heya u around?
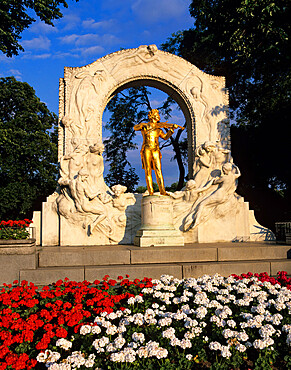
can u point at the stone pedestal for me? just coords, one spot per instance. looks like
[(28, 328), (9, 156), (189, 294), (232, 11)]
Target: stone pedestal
[(157, 228)]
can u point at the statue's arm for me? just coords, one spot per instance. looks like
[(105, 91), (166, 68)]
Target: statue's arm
[(89, 193), (206, 187), (139, 126), (238, 173), (167, 135), (204, 162)]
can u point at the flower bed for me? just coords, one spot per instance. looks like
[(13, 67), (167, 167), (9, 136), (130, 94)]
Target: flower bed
[(239, 322), (16, 229)]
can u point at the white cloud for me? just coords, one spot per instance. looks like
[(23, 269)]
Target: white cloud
[(60, 54), (152, 11), (89, 39), (36, 56), (5, 59), (80, 40), (42, 28), (69, 21), (69, 39), (37, 43), (92, 50), (90, 23), (16, 73)]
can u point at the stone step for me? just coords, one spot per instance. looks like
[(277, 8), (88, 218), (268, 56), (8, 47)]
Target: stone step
[(236, 267), (83, 256), (44, 276), (128, 254)]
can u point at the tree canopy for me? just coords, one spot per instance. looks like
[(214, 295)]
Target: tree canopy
[(28, 150), (249, 42), (15, 18)]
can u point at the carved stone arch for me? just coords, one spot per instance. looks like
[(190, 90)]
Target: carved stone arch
[(85, 91)]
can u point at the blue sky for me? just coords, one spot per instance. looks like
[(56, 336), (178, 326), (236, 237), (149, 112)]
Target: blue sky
[(89, 30)]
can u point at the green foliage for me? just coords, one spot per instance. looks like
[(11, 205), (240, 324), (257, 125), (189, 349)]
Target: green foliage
[(14, 233), (142, 189), (248, 41), (28, 150), (14, 19)]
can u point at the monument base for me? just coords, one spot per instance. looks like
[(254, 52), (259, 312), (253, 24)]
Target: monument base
[(157, 228)]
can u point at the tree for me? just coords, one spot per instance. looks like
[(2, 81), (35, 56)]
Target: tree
[(28, 149), (129, 108), (248, 41), (14, 19)]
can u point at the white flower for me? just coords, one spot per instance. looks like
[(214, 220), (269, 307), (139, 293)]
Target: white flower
[(131, 301), (90, 361), (166, 321), (225, 352), (142, 352), (41, 357), (201, 298), (276, 319), (175, 341), (117, 357), (189, 357), (162, 353), (242, 336), (214, 346), (259, 344), (231, 323), (95, 329), (240, 347), (119, 341), (201, 312), (112, 316), (111, 330), (138, 337), (185, 343), (64, 343), (169, 333), (110, 347), (53, 356), (102, 342), (227, 333)]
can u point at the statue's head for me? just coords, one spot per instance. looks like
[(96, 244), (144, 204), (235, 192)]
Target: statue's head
[(227, 167), (154, 115), (83, 174), (97, 148), (190, 184), (118, 189), (209, 146)]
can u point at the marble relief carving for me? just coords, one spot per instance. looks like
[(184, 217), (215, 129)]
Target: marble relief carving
[(211, 192), (84, 198)]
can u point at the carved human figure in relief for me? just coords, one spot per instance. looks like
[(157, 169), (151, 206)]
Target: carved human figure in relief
[(209, 161), (122, 200), (88, 201), (150, 151), (227, 184), (71, 163), (190, 192), (95, 167), (204, 163)]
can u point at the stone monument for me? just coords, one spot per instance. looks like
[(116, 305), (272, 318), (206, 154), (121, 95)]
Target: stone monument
[(85, 211)]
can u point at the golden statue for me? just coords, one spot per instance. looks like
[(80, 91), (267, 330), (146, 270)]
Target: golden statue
[(150, 151)]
